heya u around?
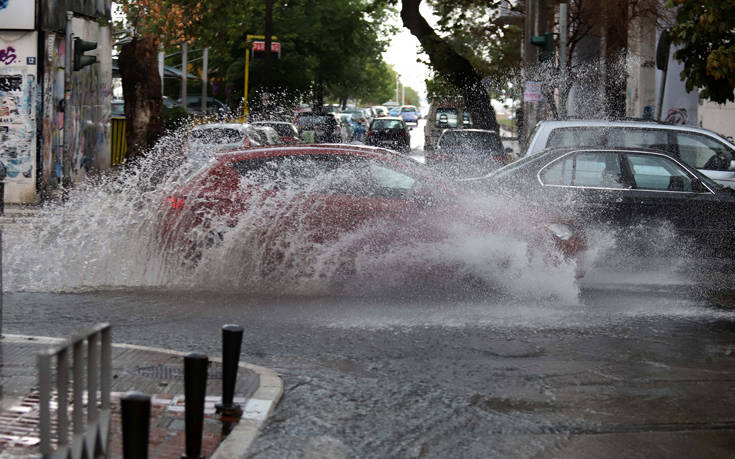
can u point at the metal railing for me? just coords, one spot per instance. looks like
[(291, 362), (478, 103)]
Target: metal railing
[(90, 438)]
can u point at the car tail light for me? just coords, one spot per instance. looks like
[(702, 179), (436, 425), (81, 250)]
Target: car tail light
[(371, 133), (176, 202)]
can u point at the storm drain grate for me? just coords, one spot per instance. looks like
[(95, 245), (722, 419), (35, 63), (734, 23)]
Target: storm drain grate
[(173, 372)]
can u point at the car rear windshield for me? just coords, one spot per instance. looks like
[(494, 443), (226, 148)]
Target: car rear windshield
[(216, 136), (447, 118), (284, 130), (470, 140), (386, 124)]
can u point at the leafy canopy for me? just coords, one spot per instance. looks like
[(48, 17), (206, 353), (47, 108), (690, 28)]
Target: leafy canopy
[(706, 31)]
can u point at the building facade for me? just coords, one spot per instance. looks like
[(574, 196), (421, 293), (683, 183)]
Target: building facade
[(32, 92)]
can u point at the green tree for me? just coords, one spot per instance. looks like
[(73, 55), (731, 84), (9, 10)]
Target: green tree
[(448, 62), (706, 31)]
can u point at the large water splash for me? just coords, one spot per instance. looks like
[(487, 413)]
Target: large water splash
[(107, 235)]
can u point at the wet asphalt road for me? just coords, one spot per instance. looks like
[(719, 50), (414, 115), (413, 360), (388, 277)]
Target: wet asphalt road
[(622, 372)]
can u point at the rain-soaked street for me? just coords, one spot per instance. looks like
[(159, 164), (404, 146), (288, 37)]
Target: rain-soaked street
[(633, 360)]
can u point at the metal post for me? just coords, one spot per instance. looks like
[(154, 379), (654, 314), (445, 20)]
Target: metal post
[(136, 418), (563, 34), (398, 77), (403, 94), (247, 77), (66, 151), (184, 74), (44, 388), (195, 387), (231, 344), (105, 367), (205, 64), (78, 391), (92, 378), (62, 391)]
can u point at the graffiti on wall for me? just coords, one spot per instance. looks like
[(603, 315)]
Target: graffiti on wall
[(8, 56), (53, 117), (17, 124)]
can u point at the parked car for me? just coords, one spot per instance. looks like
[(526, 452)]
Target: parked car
[(468, 152), (287, 131), (320, 128), (389, 133), (448, 113), (624, 188), (380, 111), (204, 140), (268, 135), (410, 114), (394, 112), (306, 197), (702, 149)]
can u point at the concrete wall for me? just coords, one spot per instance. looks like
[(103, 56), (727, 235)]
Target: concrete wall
[(718, 118)]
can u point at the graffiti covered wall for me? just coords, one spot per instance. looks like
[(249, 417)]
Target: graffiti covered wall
[(89, 111), (18, 101)]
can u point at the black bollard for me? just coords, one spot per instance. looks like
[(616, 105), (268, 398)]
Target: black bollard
[(136, 419), (195, 388), (231, 343)]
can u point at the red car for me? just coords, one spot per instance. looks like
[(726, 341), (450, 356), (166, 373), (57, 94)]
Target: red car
[(316, 205)]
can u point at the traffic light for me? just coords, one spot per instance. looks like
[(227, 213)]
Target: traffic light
[(80, 47), (546, 43)]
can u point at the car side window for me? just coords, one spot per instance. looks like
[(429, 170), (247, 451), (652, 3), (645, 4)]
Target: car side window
[(658, 173), (576, 136), (702, 152), (631, 137), (390, 183), (587, 169)]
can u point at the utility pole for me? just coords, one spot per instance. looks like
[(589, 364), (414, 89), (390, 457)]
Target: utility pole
[(184, 74), (205, 70), (398, 79), (161, 58), (403, 94), (268, 68), (563, 34), (66, 152)]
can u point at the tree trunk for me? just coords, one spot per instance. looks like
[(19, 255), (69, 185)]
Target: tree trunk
[(318, 102), (452, 66), (138, 63)]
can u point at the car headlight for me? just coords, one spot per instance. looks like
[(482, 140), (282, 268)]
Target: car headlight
[(561, 231)]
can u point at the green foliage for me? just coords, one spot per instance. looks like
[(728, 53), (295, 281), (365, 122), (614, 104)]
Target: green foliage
[(335, 42), (474, 30), (411, 96), (706, 30)]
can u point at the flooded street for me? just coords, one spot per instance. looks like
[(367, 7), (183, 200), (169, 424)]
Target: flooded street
[(504, 355), (454, 375)]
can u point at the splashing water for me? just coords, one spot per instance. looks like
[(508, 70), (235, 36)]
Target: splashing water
[(106, 235)]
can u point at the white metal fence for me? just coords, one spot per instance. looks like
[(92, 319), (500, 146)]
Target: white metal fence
[(90, 437)]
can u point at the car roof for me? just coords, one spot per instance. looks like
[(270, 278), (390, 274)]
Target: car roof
[(324, 148), (468, 130), (270, 122), (238, 126), (388, 118)]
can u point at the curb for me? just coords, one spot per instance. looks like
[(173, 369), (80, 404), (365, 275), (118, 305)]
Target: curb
[(256, 410)]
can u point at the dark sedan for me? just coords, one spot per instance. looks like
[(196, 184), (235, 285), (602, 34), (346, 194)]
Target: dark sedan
[(468, 152), (389, 133), (628, 189)]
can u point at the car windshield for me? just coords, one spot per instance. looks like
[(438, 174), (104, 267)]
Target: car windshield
[(216, 136), (386, 124), (470, 140)]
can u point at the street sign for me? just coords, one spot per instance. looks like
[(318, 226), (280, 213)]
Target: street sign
[(532, 93), (260, 46)]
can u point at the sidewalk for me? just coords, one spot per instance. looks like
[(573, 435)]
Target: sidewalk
[(156, 372)]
